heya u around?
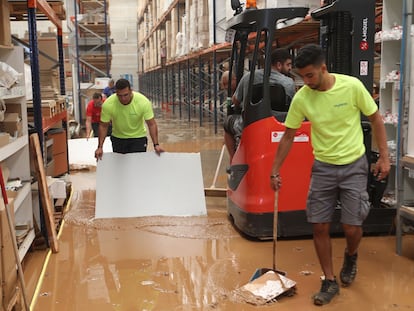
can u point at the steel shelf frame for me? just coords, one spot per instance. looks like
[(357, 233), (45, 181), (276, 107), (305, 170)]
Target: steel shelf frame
[(404, 162), (85, 70), (189, 84), (32, 6)]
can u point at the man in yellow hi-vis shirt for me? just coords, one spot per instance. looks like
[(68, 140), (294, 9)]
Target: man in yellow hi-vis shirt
[(128, 112)]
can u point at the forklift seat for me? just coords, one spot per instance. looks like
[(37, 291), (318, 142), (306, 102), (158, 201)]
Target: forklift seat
[(279, 102)]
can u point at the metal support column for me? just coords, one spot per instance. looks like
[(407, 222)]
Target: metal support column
[(106, 40), (174, 88), (200, 89), (34, 64), (180, 98), (188, 90), (61, 62), (167, 89), (215, 68), (78, 62), (403, 108)]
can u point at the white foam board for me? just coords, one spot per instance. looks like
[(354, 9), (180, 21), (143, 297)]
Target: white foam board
[(82, 150), (145, 184)]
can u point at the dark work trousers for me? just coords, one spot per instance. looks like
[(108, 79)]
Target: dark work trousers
[(95, 128), (129, 145)]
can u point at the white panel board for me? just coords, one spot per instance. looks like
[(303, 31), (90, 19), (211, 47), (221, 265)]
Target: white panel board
[(145, 184), (82, 150)]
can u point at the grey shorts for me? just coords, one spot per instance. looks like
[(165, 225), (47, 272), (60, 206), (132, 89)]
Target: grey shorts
[(346, 183), (234, 125)]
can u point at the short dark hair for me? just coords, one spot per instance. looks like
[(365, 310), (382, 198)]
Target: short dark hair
[(280, 55), (121, 84), (97, 95), (310, 54)]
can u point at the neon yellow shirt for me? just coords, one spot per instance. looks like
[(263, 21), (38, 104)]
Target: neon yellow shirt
[(335, 117), (128, 121)]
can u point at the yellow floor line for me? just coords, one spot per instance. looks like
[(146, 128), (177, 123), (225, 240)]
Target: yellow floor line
[(40, 281), (45, 264)]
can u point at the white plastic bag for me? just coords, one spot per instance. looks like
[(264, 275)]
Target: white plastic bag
[(2, 110), (8, 75)]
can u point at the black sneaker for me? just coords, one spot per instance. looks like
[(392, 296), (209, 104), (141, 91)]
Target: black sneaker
[(328, 291), (349, 269)]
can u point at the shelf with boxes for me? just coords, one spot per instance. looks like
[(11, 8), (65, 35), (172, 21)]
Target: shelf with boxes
[(54, 119), (14, 148), (405, 144), (56, 143), (93, 39), (389, 91)]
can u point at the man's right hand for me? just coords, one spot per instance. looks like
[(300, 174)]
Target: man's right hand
[(275, 182), (98, 153)]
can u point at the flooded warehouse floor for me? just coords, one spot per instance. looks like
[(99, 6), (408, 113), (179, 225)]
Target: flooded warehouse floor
[(196, 263)]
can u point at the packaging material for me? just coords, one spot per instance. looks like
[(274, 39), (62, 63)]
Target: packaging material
[(101, 83), (12, 124), (8, 75), (222, 16), (4, 139), (60, 155), (57, 187), (2, 109), (28, 81)]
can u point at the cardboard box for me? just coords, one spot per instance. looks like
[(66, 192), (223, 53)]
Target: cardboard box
[(12, 124), (4, 139), (57, 187)]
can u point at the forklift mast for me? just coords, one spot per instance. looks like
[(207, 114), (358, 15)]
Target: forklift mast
[(347, 35)]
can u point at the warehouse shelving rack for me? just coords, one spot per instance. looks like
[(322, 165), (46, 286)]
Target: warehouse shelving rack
[(90, 44), (44, 7), (186, 84), (190, 82), (404, 175), (16, 154)]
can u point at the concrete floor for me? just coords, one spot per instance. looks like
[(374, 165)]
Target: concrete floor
[(196, 263)]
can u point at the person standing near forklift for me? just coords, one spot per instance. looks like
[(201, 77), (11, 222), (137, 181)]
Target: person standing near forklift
[(333, 103), (128, 111)]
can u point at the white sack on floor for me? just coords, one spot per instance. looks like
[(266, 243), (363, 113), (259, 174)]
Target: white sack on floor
[(145, 184), (82, 151)]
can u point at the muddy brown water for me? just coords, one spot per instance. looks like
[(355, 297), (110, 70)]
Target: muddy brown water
[(197, 263)]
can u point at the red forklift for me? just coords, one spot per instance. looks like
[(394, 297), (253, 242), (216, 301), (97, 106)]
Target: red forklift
[(346, 32)]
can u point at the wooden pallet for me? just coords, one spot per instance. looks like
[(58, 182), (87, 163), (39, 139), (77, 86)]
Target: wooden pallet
[(18, 10)]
